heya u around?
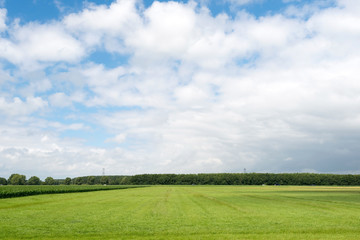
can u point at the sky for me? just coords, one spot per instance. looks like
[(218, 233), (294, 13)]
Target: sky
[(202, 86)]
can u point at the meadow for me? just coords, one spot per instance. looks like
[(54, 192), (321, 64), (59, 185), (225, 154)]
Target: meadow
[(186, 212)]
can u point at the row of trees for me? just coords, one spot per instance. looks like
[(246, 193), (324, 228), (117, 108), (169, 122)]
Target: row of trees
[(246, 179), (224, 179), (94, 180), (198, 179), (18, 179)]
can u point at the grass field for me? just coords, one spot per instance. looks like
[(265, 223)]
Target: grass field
[(186, 212)]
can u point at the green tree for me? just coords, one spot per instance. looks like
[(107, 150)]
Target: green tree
[(124, 180), (34, 180), (3, 181), (91, 180), (17, 179), (49, 181), (78, 181), (104, 180), (67, 181)]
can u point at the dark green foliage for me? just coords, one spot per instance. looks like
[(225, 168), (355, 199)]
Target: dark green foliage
[(3, 181), (224, 179), (104, 180), (49, 181), (34, 180), (91, 180), (205, 179), (245, 179), (67, 181), (17, 179), (96, 180), (79, 181)]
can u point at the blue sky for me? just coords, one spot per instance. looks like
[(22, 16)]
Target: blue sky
[(178, 86), (42, 10)]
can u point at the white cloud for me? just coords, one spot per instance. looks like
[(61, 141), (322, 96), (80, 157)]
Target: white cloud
[(336, 23), (18, 107), (243, 2), (191, 96), (199, 93), (59, 5), (168, 30), (120, 138), (37, 43), (38, 83), (62, 127), (99, 25), (2, 19), (60, 100), (5, 76)]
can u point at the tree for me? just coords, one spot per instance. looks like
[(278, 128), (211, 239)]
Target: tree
[(3, 181), (125, 181), (78, 181), (91, 180), (34, 180), (49, 181), (17, 179), (104, 180), (67, 181)]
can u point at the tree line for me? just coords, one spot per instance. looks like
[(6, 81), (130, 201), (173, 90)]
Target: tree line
[(19, 179), (196, 179), (245, 179)]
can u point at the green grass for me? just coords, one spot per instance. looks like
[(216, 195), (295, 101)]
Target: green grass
[(26, 190), (186, 212)]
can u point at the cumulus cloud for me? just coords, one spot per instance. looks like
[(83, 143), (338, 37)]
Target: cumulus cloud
[(35, 43), (105, 26), (168, 38), (199, 93), (18, 107)]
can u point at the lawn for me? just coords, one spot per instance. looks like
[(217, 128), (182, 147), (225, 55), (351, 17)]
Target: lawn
[(186, 212)]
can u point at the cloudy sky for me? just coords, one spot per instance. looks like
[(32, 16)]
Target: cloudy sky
[(201, 86)]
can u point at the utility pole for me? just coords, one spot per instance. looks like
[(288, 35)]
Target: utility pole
[(103, 172)]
